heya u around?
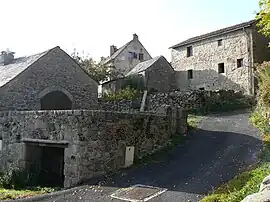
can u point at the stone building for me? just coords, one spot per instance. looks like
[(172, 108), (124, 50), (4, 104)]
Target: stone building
[(122, 60), (48, 80), (155, 75), (223, 59)]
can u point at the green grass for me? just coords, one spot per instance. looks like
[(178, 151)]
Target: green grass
[(192, 121), (11, 194), (242, 185)]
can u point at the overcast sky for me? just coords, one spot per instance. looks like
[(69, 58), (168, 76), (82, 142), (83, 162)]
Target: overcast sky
[(91, 26)]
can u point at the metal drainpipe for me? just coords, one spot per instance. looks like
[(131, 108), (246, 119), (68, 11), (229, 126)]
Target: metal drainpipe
[(250, 63)]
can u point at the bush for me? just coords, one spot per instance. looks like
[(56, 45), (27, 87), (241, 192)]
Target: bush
[(124, 94), (16, 178)]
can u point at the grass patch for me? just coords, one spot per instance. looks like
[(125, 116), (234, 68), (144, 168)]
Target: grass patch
[(192, 121), (242, 185), (12, 194)]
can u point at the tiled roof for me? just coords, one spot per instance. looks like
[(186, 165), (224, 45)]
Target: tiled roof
[(116, 53), (215, 33), (143, 66), (18, 65)]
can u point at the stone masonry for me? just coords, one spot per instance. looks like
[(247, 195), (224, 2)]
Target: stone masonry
[(96, 140), (221, 46), (54, 71)]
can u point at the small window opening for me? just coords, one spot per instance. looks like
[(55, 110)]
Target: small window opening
[(240, 62), (189, 51), (190, 74), (201, 88), (220, 42), (141, 56), (221, 68)]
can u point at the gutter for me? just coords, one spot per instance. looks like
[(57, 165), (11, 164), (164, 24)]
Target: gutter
[(250, 59)]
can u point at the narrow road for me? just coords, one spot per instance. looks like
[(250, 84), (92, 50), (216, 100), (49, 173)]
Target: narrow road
[(220, 147)]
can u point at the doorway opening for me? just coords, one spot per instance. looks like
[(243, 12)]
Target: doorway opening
[(45, 163), (56, 100)]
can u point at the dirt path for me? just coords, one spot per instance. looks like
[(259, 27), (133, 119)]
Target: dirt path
[(219, 148)]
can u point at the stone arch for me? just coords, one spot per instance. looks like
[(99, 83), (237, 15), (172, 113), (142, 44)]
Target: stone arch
[(55, 99)]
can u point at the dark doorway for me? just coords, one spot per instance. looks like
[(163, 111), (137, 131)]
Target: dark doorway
[(46, 164), (56, 100)]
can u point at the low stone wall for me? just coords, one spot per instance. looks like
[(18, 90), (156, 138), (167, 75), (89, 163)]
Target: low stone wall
[(96, 140), (182, 99), (197, 100)]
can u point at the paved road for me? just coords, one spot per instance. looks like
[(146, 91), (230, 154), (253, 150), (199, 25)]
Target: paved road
[(215, 153)]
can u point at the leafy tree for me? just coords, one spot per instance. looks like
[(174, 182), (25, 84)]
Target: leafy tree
[(264, 17), (97, 70)]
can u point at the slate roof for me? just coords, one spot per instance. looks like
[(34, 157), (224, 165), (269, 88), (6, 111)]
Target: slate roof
[(116, 53), (142, 66), (18, 65), (215, 33)]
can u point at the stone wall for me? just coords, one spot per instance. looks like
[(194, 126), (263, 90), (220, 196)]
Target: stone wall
[(55, 71), (206, 57), (96, 139)]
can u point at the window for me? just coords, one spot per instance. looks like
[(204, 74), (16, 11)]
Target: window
[(130, 55), (201, 88), (221, 68), (141, 56), (190, 74), (219, 42), (240, 62), (189, 51), (135, 55)]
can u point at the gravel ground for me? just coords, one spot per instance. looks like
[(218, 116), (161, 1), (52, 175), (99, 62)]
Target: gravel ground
[(222, 145)]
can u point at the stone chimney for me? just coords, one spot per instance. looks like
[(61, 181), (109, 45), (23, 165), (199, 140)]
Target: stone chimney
[(113, 49), (6, 57), (135, 37)]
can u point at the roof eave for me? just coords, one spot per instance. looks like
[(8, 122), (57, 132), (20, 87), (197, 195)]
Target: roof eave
[(191, 42)]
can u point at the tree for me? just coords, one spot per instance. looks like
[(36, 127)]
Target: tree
[(97, 70), (264, 17)]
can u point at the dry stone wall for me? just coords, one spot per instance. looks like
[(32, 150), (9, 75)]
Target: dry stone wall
[(96, 140)]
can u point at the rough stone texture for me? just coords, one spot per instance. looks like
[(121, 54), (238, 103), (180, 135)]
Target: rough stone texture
[(264, 193), (97, 139), (182, 99), (185, 99), (242, 44), (55, 71)]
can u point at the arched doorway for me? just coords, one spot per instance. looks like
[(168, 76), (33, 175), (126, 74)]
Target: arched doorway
[(55, 100)]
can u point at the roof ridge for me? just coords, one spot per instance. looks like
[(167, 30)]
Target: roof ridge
[(214, 33)]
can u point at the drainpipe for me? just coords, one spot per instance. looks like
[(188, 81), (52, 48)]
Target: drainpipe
[(250, 55)]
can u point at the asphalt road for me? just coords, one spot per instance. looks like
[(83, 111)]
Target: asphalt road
[(221, 146)]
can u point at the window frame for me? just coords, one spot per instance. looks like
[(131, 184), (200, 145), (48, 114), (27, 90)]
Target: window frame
[(221, 65), (189, 51), (240, 62), (141, 57), (190, 74), (220, 42)]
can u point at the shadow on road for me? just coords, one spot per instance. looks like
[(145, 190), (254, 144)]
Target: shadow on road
[(205, 161)]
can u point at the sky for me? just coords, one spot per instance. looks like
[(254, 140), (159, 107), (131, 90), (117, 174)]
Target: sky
[(91, 26)]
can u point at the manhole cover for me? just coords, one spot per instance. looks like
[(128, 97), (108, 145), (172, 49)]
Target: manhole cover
[(138, 193)]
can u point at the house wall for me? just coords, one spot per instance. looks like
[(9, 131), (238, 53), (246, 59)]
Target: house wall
[(261, 50), (96, 139), (160, 76), (206, 57), (54, 71), (122, 62)]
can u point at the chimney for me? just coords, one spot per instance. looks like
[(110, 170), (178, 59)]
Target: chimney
[(113, 49), (6, 57), (135, 37)]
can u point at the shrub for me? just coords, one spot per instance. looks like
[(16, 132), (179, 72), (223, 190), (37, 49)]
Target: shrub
[(124, 94), (16, 178)]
